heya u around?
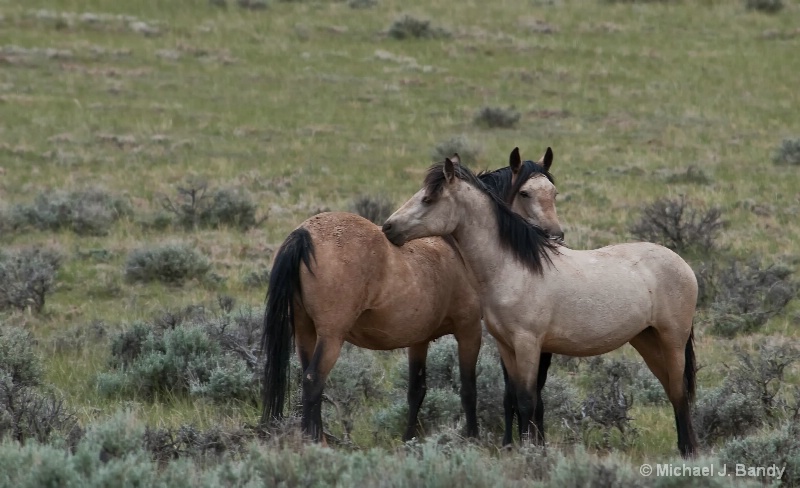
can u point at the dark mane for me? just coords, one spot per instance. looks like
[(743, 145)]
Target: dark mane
[(499, 180), (529, 243)]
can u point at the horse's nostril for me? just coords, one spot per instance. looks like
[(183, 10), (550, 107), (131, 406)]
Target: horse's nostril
[(386, 227)]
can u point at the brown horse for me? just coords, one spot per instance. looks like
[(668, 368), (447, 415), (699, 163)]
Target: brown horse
[(336, 278), (537, 296)]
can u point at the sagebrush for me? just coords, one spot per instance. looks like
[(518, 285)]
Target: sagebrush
[(27, 276)]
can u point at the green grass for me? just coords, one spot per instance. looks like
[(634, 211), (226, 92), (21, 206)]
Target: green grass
[(308, 105)]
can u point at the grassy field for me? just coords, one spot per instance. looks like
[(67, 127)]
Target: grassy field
[(307, 105)]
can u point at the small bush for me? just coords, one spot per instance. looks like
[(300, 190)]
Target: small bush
[(760, 374), (789, 150), (79, 337), (583, 469), (721, 413), (693, 175), (409, 27), (375, 209), (745, 296), (187, 441), (673, 223), (193, 352), (173, 264), (17, 358), (257, 279), (609, 400), (780, 447), (194, 207), (562, 406), (160, 221), (467, 149), (117, 437), (496, 117), (646, 388), (751, 395), (355, 379), (26, 277), (89, 212), (26, 410)]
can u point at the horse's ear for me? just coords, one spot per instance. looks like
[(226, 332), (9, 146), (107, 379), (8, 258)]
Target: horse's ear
[(455, 159), (547, 159), (449, 170), (515, 161)]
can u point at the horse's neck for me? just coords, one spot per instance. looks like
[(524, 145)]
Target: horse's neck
[(478, 237)]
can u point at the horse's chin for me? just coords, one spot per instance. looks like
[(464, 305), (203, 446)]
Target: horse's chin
[(395, 238)]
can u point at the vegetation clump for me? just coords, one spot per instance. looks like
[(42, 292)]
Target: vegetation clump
[(196, 207), (745, 295), (675, 224), (87, 212), (409, 27), (467, 149), (28, 410), (375, 209), (172, 263), (27, 277), (206, 355), (753, 393), (788, 152), (497, 117)]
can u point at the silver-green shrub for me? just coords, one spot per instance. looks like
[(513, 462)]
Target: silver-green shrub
[(88, 212), (172, 263), (27, 277)]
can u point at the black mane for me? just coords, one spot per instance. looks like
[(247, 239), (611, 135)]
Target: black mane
[(499, 180), (529, 243)]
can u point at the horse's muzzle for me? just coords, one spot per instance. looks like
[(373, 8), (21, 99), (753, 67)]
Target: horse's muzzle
[(392, 234)]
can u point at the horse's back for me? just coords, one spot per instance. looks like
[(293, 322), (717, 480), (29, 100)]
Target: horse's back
[(396, 295), (590, 301)]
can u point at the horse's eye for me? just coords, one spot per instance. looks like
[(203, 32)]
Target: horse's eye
[(426, 200), (524, 194)]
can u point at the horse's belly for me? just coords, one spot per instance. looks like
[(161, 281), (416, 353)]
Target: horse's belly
[(592, 338), (396, 328), (588, 347)]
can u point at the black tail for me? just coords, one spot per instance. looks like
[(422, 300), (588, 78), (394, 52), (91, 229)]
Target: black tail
[(277, 341), (690, 368)]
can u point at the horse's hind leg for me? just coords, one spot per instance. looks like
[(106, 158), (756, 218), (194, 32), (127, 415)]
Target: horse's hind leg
[(305, 336), (648, 345), (326, 352), (679, 396), (667, 362), (417, 386), (469, 346)]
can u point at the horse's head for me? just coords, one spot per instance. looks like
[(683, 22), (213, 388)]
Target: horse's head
[(432, 211), (533, 194)]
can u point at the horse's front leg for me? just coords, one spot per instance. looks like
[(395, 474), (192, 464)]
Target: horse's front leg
[(544, 365), (527, 353), (417, 385), (509, 406), (469, 346)]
